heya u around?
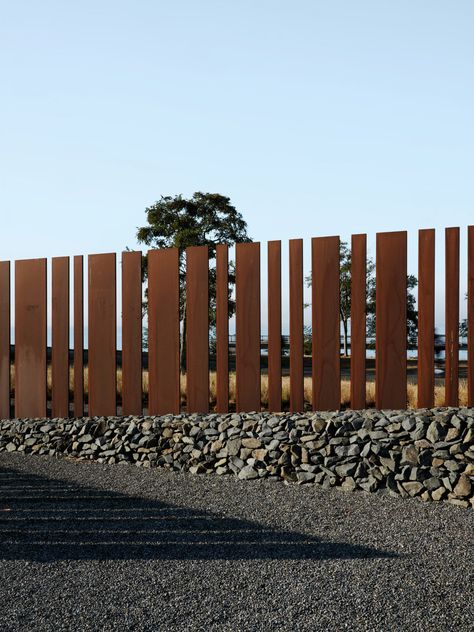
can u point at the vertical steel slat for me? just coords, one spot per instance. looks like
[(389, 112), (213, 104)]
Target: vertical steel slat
[(163, 331), (30, 338), (5, 325), (222, 328), (452, 317), (78, 336), (326, 323), (197, 329), (102, 322), (60, 337), (274, 326), (470, 316), (358, 320), (426, 322), (391, 320), (248, 327), (132, 333), (296, 326)]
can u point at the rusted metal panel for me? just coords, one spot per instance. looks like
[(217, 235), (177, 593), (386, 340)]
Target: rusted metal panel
[(197, 329), (470, 316), (78, 336), (30, 338), (274, 326), (163, 331), (248, 326), (358, 320), (5, 340), (132, 333), (326, 323), (60, 337), (426, 317), (296, 326), (452, 317), (102, 325), (391, 320), (222, 328)]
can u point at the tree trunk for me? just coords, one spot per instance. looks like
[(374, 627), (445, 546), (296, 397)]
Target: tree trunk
[(344, 325), (182, 351)]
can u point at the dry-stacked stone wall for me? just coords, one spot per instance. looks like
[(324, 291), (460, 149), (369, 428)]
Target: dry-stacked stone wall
[(424, 453)]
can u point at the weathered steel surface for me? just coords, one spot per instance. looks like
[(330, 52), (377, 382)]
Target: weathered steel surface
[(78, 336), (274, 326), (452, 317), (325, 323), (4, 339), (30, 338), (391, 313), (470, 315), (222, 328), (60, 337), (102, 323), (248, 326), (358, 320), (426, 322), (296, 326), (163, 331), (197, 329), (132, 333)]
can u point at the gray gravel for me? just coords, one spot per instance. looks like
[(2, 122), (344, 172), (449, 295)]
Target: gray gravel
[(88, 546)]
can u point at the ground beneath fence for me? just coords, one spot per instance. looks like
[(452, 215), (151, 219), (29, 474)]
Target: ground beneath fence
[(88, 546)]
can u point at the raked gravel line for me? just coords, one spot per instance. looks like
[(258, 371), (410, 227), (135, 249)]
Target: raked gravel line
[(86, 546)]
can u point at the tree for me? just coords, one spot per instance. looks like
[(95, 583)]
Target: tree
[(345, 258), (205, 219)]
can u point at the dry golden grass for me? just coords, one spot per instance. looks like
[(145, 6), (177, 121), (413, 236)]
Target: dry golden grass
[(345, 389)]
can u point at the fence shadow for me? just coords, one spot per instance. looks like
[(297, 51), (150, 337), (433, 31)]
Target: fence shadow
[(44, 520)]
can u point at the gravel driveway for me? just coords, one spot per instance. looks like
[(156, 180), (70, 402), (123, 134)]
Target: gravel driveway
[(86, 546)]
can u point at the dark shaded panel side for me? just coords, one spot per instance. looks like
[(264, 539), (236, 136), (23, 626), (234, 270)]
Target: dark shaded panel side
[(60, 337), (274, 326), (30, 338), (296, 326), (102, 323), (426, 321), (248, 327), (132, 333), (163, 331), (358, 320), (391, 320), (470, 315), (452, 317), (78, 336), (5, 324), (222, 328), (197, 329)]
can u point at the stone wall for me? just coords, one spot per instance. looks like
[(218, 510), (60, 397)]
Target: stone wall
[(425, 453)]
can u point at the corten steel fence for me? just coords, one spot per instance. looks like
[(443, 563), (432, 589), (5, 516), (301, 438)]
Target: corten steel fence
[(31, 304)]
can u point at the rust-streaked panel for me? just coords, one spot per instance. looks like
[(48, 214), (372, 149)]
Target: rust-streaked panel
[(197, 329), (274, 326), (358, 319), (326, 324), (5, 340), (102, 325), (78, 336), (30, 338), (426, 317), (132, 333), (296, 326), (248, 326), (470, 316), (60, 337), (163, 331), (391, 320), (222, 328), (452, 317)]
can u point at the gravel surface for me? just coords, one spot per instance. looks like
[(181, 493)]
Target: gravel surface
[(88, 546)]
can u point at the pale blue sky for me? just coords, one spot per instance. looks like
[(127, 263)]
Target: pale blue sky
[(315, 117)]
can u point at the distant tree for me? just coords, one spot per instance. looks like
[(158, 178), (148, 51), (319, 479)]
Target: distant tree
[(205, 219)]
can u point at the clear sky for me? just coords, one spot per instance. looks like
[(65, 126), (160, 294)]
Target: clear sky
[(316, 118)]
